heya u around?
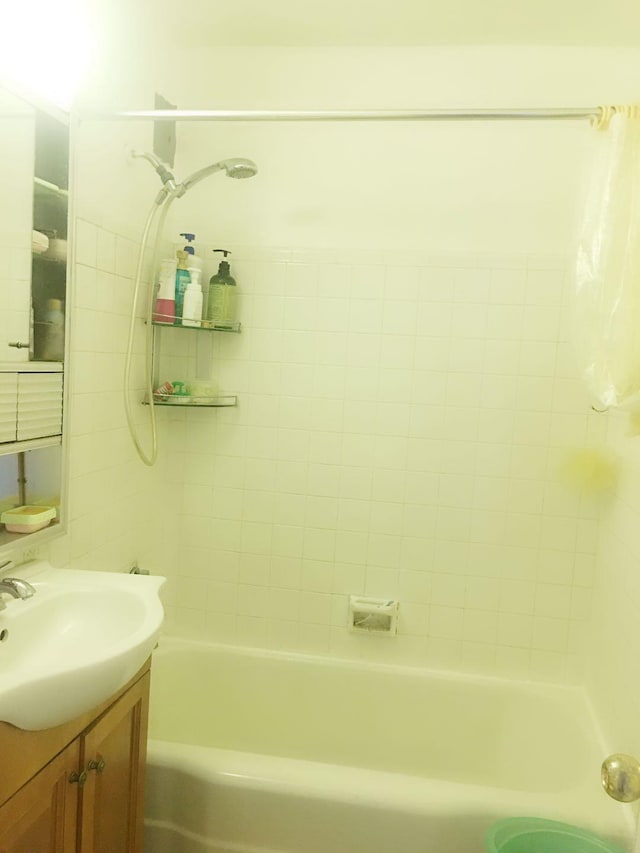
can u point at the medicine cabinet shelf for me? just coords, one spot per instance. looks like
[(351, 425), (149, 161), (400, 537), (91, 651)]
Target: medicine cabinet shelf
[(40, 256), (21, 446), (182, 402), (45, 189), (7, 538), (228, 327)]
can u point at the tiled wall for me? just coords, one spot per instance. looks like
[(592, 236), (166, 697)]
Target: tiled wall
[(615, 642), (115, 504), (402, 431)]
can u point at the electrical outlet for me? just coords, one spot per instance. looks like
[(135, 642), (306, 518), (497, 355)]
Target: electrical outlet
[(28, 554)]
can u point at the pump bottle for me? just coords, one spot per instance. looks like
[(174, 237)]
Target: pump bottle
[(222, 295)]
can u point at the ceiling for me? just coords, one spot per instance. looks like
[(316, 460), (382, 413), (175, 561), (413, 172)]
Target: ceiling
[(303, 23)]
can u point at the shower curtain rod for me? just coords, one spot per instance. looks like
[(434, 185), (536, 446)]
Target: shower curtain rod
[(593, 113)]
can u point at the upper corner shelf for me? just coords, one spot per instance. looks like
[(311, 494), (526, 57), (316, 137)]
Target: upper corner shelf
[(227, 327), (46, 189)]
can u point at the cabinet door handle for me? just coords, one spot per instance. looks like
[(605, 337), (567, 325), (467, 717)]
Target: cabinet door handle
[(80, 778), (98, 766), (18, 344)]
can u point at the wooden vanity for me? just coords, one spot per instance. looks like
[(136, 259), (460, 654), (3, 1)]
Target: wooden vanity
[(79, 787)]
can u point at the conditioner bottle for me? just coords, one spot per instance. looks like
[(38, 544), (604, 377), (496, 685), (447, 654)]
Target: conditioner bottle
[(192, 307)]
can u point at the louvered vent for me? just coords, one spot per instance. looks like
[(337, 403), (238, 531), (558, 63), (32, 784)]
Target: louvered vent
[(39, 405), (8, 406)]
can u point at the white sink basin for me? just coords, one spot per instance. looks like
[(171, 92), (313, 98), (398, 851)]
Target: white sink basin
[(70, 646)]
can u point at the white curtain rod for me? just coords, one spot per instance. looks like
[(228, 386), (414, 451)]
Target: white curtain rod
[(594, 113)]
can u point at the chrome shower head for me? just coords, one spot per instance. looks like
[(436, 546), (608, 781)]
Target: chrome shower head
[(239, 167), (236, 167)]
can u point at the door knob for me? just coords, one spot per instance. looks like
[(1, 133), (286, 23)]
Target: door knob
[(621, 777), (98, 766), (80, 778)]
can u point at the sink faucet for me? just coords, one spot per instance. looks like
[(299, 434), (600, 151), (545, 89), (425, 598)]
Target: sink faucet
[(16, 588)]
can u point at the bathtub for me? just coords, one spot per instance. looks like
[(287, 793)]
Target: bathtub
[(258, 752)]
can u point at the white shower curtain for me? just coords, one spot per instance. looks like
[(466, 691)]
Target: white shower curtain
[(606, 304)]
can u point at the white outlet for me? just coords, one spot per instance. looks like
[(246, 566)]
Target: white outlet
[(28, 554)]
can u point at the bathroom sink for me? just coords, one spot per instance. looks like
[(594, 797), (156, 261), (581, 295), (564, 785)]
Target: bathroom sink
[(74, 643)]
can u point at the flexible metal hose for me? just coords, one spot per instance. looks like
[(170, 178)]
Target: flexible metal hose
[(163, 205)]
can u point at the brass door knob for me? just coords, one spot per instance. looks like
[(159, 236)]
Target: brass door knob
[(98, 766), (620, 775), (79, 778)]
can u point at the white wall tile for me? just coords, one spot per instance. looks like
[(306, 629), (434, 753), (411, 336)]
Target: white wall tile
[(392, 438)]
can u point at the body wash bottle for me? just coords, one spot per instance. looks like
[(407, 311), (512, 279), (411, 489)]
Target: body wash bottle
[(221, 306)]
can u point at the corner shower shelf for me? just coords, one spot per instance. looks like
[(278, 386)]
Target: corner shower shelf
[(181, 402), (228, 327), (186, 402)]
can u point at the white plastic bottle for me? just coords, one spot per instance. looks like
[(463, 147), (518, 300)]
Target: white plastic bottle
[(192, 309)]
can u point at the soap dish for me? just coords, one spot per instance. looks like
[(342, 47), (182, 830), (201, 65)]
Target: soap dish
[(27, 519)]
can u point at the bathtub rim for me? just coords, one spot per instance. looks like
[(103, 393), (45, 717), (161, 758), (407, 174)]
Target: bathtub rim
[(172, 642), (320, 781)]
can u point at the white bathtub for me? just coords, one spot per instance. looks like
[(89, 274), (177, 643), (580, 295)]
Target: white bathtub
[(257, 751)]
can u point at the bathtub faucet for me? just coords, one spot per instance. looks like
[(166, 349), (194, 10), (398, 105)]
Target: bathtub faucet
[(16, 588)]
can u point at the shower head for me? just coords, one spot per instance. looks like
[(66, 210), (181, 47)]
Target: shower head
[(236, 167)]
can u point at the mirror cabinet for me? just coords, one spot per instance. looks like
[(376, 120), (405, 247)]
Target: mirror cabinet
[(34, 220)]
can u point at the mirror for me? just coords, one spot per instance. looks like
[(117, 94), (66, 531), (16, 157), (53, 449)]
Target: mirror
[(34, 203), (17, 157)]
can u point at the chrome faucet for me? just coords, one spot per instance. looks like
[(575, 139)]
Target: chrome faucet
[(16, 588)]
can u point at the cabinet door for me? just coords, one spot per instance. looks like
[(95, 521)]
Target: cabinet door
[(114, 753), (39, 405), (8, 406), (42, 817), (17, 152)]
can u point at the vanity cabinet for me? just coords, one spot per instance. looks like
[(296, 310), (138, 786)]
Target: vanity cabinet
[(114, 751), (43, 816), (83, 795)]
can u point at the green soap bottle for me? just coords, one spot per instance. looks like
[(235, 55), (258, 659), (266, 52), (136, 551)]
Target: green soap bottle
[(221, 307), (183, 278)]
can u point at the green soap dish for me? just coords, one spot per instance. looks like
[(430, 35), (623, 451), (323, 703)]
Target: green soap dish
[(535, 835)]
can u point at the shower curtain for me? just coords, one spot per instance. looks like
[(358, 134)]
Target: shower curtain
[(606, 303)]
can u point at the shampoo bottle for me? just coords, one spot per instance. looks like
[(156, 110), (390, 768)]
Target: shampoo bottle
[(192, 308), (182, 280), (222, 295), (165, 310)]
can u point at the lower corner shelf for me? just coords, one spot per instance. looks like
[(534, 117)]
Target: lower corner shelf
[(182, 402)]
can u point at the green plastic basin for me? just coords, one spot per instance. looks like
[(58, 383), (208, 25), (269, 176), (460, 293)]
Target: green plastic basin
[(535, 835)]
